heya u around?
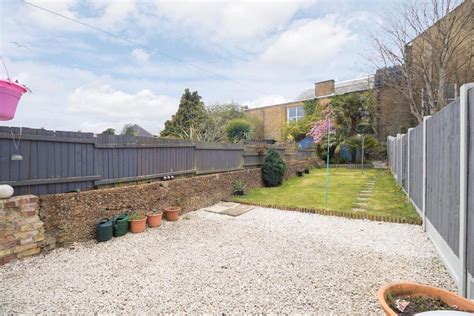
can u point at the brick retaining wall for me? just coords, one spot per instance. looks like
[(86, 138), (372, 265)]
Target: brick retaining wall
[(71, 217)]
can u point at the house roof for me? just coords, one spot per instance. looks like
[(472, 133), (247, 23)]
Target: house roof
[(340, 87), (140, 131)]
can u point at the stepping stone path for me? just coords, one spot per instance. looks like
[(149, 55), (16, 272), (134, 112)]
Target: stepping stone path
[(363, 196), (229, 208)]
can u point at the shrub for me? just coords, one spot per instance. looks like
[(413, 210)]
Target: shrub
[(239, 129), (273, 168)]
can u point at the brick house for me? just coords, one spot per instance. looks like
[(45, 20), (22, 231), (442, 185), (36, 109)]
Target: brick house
[(274, 118)]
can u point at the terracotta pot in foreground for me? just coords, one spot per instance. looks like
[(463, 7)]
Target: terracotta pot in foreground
[(154, 219), (138, 225), (415, 289), (172, 213)]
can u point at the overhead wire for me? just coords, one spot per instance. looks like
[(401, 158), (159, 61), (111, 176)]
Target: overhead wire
[(149, 49)]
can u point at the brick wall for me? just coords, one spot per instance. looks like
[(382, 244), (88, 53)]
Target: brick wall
[(324, 88), (21, 230), (391, 113), (274, 119), (71, 217)]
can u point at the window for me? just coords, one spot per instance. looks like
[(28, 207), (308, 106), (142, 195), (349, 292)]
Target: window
[(295, 114)]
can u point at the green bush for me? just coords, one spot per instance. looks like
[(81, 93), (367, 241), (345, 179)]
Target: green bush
[(273, 168), (239, 129)]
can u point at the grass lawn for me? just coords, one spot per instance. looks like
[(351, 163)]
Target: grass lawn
[(387, 198)]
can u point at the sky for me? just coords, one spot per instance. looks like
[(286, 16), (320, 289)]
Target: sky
[(255, 53)]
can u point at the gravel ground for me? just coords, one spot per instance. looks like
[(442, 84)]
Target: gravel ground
[(265, 261)]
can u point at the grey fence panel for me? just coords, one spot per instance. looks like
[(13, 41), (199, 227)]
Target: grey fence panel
[(390, 153), (404, 170), (216, 159), (57, 161), (442, 166), (416, 166), (396, 159), (442, 184), (470, 201), (305, 154), (252, 159)]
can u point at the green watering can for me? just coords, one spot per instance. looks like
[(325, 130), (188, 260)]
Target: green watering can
[(120, 225), (104, 230)]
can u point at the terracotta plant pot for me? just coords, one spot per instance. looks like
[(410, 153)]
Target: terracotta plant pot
[(138, 225), (172, 213), (415, 289), (154, 219)]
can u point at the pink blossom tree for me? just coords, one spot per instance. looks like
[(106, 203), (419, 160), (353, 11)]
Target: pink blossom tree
[(320, 129)]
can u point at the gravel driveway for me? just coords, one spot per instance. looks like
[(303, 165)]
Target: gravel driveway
[(263, 261)]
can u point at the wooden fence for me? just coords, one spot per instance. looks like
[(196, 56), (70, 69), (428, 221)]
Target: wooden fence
[(57, 161), (434, 163)]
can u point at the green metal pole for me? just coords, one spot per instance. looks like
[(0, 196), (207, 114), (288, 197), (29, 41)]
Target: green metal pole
[(327, 161), (363, 138)]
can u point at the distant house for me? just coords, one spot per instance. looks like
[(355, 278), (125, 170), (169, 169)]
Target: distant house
[(275, 117), (140, 131)]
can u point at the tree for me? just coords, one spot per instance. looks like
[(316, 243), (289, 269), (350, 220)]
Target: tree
[(129, 130), (273, 168), (350, 114), (190, 116), (423, 50), (350, 111), (239, 129), (109, 131), (218, 115), (355, 142)]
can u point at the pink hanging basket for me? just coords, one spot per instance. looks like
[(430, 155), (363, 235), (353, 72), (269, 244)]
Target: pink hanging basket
[(10, 94)]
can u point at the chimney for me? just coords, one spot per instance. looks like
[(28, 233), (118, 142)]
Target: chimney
[(323, 88)]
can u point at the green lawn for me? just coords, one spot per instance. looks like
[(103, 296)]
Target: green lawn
[(387, 198)]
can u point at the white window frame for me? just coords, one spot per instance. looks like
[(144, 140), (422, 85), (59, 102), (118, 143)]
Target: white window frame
[(294, 118)]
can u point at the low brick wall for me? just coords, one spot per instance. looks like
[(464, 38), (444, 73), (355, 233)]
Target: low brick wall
[(21, 230), (71, 217)]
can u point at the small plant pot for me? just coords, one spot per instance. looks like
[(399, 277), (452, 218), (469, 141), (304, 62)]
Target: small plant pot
[(172, 213), (138, 225), (306, 170), (407, 289), (299, 173), (154, 219), (239, 192)]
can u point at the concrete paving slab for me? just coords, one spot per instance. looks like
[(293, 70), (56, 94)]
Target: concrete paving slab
[(229, 208), (236, 211)]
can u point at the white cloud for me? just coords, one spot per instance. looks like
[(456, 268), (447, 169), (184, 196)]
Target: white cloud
[(140, 55), (114, 107), (266, 100), (228, 20), (308, 42)]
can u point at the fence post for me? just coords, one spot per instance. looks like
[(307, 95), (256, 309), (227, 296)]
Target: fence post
[(463, 190), (398, 152), (425, 158), (408, 164)]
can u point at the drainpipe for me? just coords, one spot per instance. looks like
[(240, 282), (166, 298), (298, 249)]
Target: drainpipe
[(463, 189), (425, 154)]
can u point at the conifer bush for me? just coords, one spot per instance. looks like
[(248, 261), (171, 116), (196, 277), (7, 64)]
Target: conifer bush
[(273, 168)]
